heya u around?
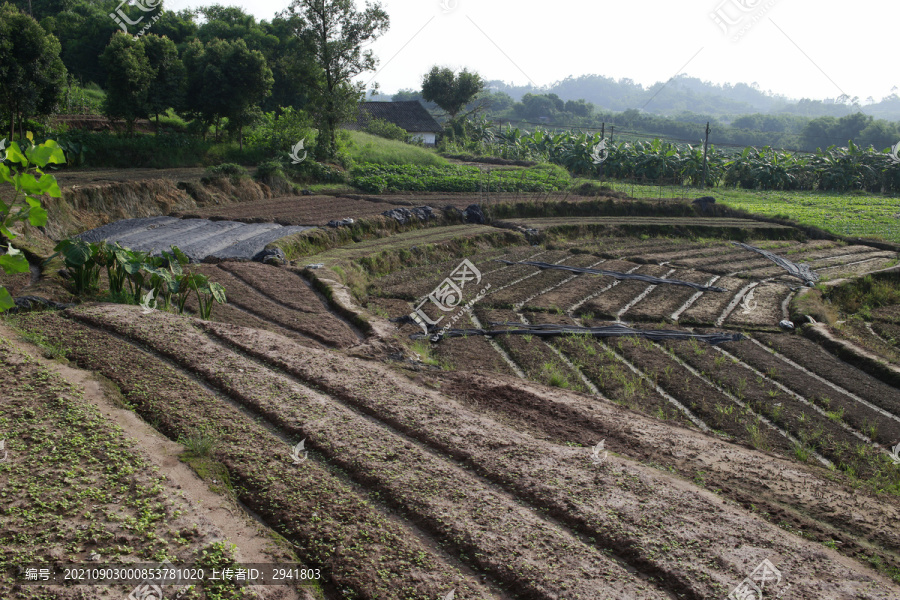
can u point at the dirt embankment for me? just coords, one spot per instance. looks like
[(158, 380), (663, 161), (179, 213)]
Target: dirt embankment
[(87, 203)]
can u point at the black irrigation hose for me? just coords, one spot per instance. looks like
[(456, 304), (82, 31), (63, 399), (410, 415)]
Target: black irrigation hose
[(609, 331), (28, 303), (617, 275), (800, 271)]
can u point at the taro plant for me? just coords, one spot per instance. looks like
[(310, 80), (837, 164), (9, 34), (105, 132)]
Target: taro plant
[(131, 272), (23, 169), (207, 291), (81, 261)]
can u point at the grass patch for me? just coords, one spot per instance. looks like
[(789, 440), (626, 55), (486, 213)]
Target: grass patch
[(367, 148), (863, 295), (853, 214)]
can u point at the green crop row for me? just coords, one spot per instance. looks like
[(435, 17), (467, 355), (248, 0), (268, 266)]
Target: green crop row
[(454, 178)]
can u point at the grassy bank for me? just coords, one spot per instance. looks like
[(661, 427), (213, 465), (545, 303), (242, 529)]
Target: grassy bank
[(850, 214)]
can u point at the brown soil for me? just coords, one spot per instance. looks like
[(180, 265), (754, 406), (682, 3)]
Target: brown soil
[(521, 464), (205, 515), (763, 310), (710, 305), (609, 303), (332, 524), (795, 497), (827, 366), (659, 304), (295, 210), (314, 322), (543, 279)]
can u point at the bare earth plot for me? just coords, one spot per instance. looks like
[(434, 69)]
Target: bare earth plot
[(521, 467), (410, 444)]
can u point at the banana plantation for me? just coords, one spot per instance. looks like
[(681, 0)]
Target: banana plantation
[(833, 169)]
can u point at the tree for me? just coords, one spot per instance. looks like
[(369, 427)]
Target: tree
[(450, 91), (167, 86), (338, 33), (293, 65), (225, 79), (30, 183), (32, 74), (579, 108), (129, 76), (84, 33)]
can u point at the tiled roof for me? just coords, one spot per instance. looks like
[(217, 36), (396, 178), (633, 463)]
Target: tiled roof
[(410, 115)]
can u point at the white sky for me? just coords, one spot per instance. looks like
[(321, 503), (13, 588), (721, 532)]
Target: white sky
[(796, 48)]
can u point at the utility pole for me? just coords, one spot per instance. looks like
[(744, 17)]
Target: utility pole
[(705, 148)]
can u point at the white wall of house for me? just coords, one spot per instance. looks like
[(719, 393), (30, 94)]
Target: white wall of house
[(426, 137)]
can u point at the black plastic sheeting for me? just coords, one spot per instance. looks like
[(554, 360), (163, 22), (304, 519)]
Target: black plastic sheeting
[(607, 331), (617, 275), (29, 303), (800, 271)]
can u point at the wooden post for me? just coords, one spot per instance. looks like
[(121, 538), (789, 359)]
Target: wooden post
[(705, 148)]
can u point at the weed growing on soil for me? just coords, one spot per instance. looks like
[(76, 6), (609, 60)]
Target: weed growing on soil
[(555, 375), (425, 352), (758, 437), (199, 444), (802, 452)]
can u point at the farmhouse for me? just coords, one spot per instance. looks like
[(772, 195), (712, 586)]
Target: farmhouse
[(410, 115)]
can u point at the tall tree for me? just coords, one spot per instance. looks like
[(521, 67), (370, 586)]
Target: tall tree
[(168, 84), (450, 91), (338, 33), (129, 76), (225, 79), (32, 75)]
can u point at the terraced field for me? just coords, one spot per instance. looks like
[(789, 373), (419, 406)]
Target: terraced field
[(473, 467)]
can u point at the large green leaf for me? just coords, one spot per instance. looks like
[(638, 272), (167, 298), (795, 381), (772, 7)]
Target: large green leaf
[(46, 153), (37, 216), (6, 301), (218, 292), (14, 154), (75, 252), (13, 261)]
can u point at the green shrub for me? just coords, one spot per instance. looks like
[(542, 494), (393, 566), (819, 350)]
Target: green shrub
[(104, 149), (387, 130), (269, 169), (231, 170), (310, 171)]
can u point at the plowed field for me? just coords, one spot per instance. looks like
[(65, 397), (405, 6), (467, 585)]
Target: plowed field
[(524, 467)]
